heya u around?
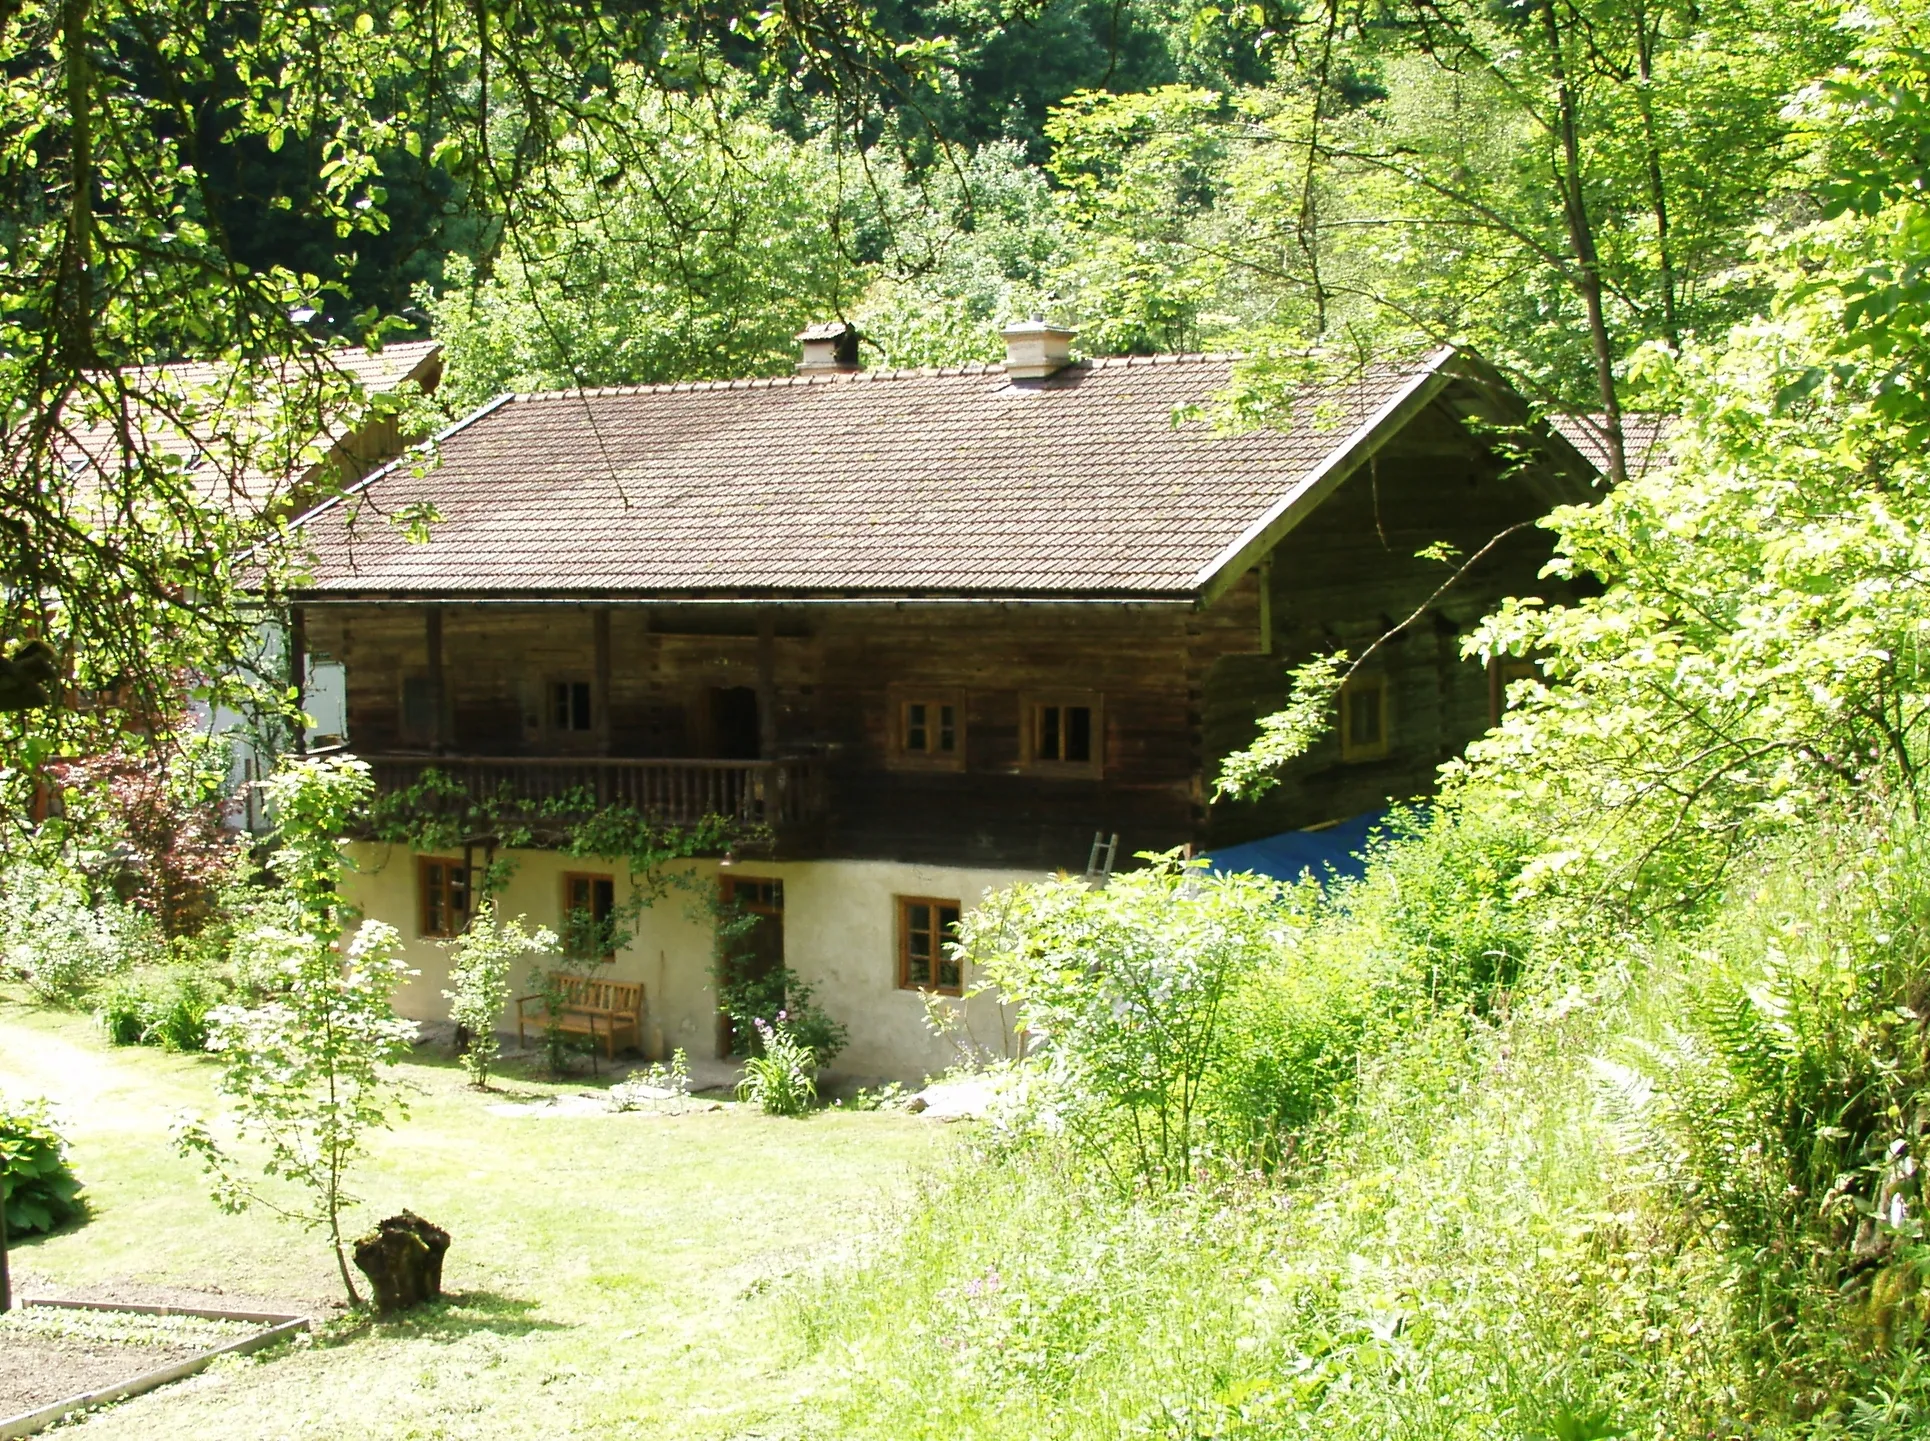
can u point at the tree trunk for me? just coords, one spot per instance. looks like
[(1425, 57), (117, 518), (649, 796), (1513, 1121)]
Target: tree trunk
[(1581, 240), (6, 1284), (402, 1257)]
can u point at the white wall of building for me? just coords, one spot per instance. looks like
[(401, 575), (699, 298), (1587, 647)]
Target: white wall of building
[(840, 936)]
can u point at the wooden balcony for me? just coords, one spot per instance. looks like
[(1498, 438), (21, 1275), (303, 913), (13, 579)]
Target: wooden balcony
[(547, 793)]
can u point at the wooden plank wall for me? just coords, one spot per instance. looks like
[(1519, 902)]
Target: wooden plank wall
[(1347, 575), (833, 674)]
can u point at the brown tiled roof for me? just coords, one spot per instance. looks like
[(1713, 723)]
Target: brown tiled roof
[(1645, 437), (925, 482), (230, 443)]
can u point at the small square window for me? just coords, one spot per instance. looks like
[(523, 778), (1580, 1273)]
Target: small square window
[(927, 729), (927, 938), (442, 891), (1064, 734), (1365, 726), (569, 705)]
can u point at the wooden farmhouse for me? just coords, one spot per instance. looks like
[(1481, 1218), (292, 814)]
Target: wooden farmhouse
[(927, 631)]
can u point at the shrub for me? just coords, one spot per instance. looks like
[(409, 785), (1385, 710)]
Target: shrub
[(166, 1007), (1126, 989), (480, 981), (37, 1185), (62, 943), (782, 1080)]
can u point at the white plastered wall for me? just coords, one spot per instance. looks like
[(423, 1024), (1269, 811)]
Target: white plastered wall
[(840, 937)]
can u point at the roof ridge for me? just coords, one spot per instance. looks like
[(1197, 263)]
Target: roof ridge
[(877, 373)]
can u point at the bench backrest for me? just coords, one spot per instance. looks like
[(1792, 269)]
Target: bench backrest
[(600, 995)]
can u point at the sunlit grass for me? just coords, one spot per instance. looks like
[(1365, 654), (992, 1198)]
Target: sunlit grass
[(610, 1275)]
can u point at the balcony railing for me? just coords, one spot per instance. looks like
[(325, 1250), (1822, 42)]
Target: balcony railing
[(777, 794)]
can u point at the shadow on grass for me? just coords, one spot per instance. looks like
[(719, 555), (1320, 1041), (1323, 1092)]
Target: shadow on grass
[(457, 1315)]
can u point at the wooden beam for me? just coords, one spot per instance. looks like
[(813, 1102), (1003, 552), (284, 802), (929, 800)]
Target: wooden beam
[(600, 691), (432, 640), (767, 684), (298, 670)]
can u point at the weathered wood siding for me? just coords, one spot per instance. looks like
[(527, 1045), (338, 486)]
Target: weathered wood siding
[(1347, 575), (1180, 686)]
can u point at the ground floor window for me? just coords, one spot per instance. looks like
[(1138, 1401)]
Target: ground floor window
[(442, 891), (927, 931), (589, 931)]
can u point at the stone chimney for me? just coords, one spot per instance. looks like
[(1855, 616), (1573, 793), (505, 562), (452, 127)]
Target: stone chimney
[(1035, 349), (830, 348)]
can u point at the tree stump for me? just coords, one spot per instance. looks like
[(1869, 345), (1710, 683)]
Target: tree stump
[(402, 1257)]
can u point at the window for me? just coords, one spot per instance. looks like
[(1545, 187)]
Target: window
[(589, 932), (1504, 671), (443, 891), (1364, 722), (927, 929), (419, 705), (1064, 734), (568, 706), (928, 729)]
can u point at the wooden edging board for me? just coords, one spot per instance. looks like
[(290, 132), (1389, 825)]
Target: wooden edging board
[(279, 1327)]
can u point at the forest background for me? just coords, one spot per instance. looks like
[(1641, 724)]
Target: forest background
[(1595, 1110)]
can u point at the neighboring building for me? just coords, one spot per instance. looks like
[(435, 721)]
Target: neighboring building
[(934, 628)]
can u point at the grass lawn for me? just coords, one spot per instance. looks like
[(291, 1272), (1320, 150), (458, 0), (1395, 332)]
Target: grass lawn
[(610, 1276)]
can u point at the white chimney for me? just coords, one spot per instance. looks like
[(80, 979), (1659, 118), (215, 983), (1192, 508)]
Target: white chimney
[(1034, 349), (830, 347)]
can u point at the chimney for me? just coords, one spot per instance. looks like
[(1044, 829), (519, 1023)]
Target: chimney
[(1035, 349), (830, 348)]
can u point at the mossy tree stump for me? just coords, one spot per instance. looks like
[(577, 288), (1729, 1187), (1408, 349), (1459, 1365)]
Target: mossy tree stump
[(402, 1257)]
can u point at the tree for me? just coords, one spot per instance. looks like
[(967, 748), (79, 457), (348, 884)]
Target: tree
[(308, 1073), (479, 977)]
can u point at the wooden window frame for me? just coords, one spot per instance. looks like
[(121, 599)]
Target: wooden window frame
[(1504, 671), (570, 878), (446, 888), (930, 983), (727, 893), (900, 700), (1374, 683), (1030, 708), (548, 714), (410, 734)]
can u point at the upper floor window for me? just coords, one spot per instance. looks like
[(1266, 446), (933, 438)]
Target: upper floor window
[(420, 701), (1504, 671), (442, 891), (927, 931), (568, 706), (1064, 733), (928, 728), (1365, 725)]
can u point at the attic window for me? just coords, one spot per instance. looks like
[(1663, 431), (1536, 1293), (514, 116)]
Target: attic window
[(1364, 722)]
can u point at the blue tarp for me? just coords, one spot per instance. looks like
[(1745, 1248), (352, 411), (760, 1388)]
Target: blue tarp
[(1332, 852)]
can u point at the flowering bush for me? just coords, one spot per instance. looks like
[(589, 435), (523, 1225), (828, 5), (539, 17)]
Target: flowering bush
[(783, 1080), (61, 944)]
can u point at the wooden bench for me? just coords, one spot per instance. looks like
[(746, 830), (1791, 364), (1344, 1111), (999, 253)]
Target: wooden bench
[(601, 1010)]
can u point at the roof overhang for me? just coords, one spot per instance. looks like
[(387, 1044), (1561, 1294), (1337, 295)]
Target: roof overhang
[(1440, 370)]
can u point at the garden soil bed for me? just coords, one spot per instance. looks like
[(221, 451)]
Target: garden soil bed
[(48, 1355)]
